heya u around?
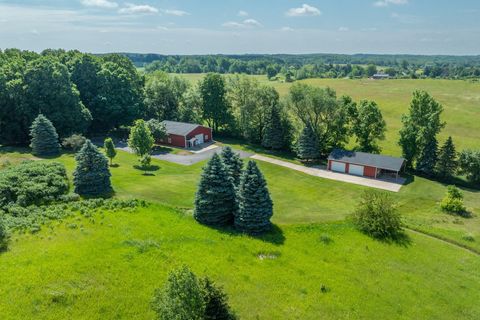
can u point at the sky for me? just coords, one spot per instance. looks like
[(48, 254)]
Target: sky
[(247, 26)]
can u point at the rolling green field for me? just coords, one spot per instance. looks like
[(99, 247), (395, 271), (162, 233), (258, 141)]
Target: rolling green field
[(460, 99), (108, 266)]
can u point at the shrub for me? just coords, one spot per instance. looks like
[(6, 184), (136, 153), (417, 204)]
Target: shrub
[(74, 142), (44, 137), (377, 216), (181, 298), (469, 164), (32, 182), (185, 297), (453, 202)]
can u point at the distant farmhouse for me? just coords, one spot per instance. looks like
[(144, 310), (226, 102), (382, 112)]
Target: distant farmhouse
[(380, 76), (364, 164), (186, 135)]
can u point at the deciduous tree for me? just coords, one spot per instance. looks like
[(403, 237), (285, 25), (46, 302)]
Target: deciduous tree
[(110, 151), (215, 107), (369, 126), (469, 164), (141, 139)]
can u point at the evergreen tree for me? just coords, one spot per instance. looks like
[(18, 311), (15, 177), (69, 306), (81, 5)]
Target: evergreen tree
[(255, 207), (91, 176), (216, 302), (233, 164), (447, 159), (273, 137), (44, 137), (427, 159), (3, 234), (308, 145), (110, 151), (215, 202)]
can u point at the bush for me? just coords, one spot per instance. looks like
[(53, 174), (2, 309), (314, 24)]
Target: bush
[(74, 142), (185, 297), (453, 202), (32, 183), (181, 298), (377, 216)]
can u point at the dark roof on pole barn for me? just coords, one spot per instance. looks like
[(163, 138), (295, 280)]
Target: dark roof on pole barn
[(367, 159), (179, 128)]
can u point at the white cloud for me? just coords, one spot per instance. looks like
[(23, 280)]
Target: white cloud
[(386, 3), (304, 10), (100, 3), (247, 23), (343, 29), (131, 8), (286, 29), (178, 13), (242, 13)]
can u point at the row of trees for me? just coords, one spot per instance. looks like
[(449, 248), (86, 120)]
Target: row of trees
[(227, 195), (419, 142), (315, 66)]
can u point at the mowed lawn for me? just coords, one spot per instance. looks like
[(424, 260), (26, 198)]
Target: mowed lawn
[(109, 266), (298, 198), (460, 99)]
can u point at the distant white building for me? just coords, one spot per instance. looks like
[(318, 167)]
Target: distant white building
[(380, 76)]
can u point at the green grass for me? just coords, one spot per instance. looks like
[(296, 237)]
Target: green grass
[(108, 268), (460, 99)]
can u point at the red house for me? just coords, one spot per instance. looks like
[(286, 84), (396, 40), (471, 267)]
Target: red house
[(186, 135), (364, 164)]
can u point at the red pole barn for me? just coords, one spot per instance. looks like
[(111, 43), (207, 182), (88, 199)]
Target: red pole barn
[(186, 135)]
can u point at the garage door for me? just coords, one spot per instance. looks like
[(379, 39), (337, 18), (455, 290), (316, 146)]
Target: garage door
[(338, 166), (199, 138), (355, 170)]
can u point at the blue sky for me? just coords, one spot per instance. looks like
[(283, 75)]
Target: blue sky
[(248, 26)]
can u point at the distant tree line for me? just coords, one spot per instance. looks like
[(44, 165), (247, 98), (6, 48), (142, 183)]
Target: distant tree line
[(297, 67)]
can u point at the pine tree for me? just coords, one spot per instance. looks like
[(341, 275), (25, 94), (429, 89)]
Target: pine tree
[(274, 136), (308, 145), (216, 302), (427, 159), (110, 151), (255, 207), (91, 176), (215, 202), (447, 159), (3, 234), (233, 164), (44, 137)]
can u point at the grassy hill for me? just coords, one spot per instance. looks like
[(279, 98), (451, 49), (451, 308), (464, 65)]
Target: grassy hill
[(460, 99), (108, 267)]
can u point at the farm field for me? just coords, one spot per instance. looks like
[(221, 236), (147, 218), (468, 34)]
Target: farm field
[(460, 99)]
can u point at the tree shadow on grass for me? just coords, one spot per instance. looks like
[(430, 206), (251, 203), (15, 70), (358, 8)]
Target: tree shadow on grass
[(148, 169), (274, 235), (401, 239), (114, 165)]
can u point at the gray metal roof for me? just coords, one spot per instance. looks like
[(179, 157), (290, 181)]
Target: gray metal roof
[(367, 159), (179, 128)]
